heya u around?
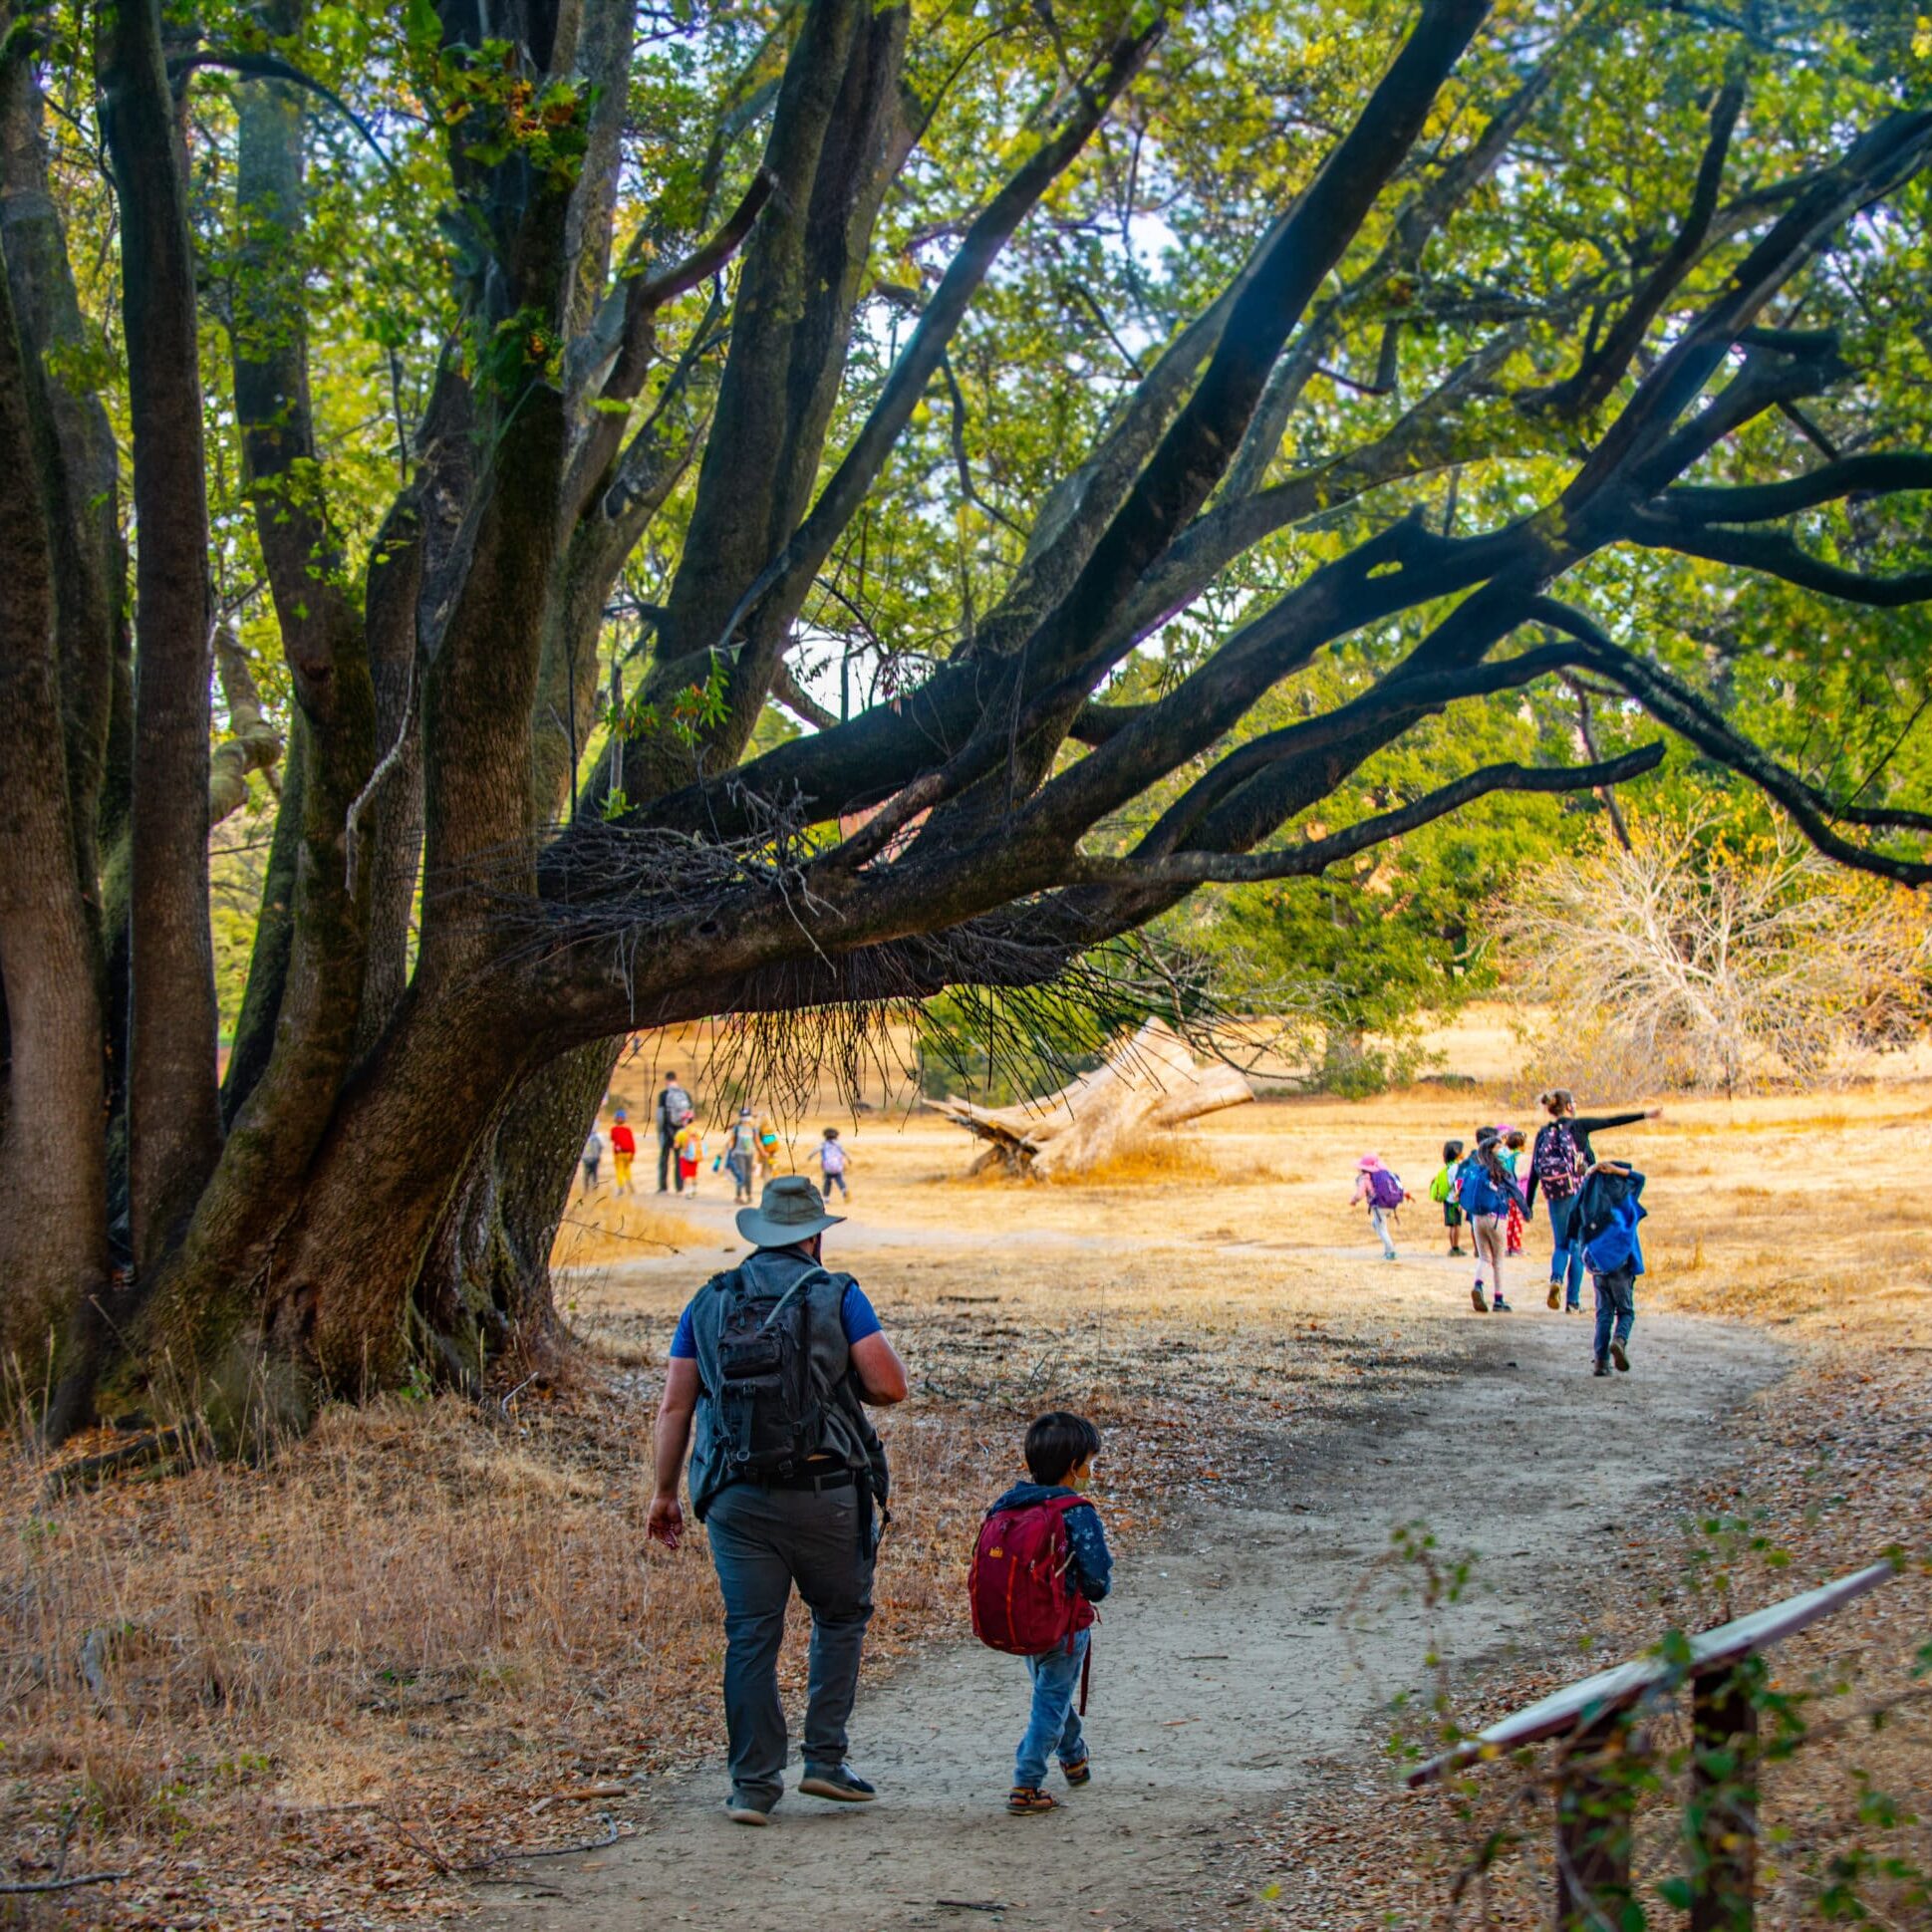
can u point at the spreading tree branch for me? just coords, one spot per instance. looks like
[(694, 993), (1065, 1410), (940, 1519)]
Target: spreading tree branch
[(1391, 705), (1601, 369), (1691, 717), (1779, 556), (781, 585), (1304, 861), (634, 309), (271, 67), (1873, 164), (1421, 216), (1871, 474), (1194, 453), (253, 742)]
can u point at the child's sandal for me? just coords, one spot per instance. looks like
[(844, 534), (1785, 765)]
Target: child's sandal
[(1024, 1801), (1078, 1774)]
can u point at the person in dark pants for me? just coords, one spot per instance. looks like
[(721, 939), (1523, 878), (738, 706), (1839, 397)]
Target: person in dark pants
[(807, 1524), (1609, 1205), (673, 1109), (1558, 1163)]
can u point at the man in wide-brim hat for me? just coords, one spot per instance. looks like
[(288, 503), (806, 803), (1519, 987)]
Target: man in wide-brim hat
[(784, 1477)]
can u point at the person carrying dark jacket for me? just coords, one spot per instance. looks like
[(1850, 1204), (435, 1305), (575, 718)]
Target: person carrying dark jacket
[(1558, 1163), (1609, 1206)]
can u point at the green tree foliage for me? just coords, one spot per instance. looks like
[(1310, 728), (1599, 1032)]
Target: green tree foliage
[(1143, 448)]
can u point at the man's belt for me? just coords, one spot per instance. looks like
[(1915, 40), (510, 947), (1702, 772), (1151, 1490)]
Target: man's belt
[(808, 1478)]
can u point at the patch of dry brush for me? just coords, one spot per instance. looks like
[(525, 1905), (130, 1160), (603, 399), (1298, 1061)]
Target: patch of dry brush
[(432, 1632), (1834, 1467)]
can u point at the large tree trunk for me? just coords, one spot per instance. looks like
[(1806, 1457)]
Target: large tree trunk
[(173, 1110), (53, 1180), (310, 1295), (401, 1127), (484, 1291), (79, 472)]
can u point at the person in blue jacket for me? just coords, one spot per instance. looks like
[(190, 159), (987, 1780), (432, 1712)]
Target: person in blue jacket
[(1485, 1188), (1609, 1207)]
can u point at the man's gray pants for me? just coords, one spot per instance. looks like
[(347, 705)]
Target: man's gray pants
[(762, 1543)]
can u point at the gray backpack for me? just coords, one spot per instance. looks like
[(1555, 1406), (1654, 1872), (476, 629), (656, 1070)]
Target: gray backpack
[(768, 1409)]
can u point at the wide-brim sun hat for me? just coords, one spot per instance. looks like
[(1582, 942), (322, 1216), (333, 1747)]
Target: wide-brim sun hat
[(791, 1209), (1368, 1163)]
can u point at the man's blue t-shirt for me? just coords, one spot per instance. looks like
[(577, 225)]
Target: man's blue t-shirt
[(856, 1317)]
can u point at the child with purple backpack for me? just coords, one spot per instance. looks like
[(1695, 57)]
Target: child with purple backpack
[(1382, 1189)]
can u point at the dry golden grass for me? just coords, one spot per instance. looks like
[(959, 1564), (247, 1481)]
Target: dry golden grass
[(442, 1616), (370, 1662), (1829, 1465), (408, 1641), (604, 1228)]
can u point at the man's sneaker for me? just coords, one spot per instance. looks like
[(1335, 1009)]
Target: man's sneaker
[(840, 1783), (1500, 1307), (741, 1810), (1081, 1772), (1602, 1368), (1555, 1295), (1028, 1800), (1620, 1355), (1475, 1301)]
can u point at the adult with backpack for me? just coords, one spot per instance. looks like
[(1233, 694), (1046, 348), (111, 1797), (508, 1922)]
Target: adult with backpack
[(1558, 1163), (674, 1108), (1382, 1189), (768, 1375)]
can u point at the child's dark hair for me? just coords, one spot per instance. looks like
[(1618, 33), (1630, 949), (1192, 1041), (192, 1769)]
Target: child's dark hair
[(1452, 1151), (1057, 1443), (831, 1133), (1518, 1140)]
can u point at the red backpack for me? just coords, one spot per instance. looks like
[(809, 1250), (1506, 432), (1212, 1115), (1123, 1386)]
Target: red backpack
[(1023, 1598)]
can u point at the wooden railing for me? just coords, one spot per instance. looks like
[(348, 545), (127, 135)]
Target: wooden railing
[(1596, 1717)]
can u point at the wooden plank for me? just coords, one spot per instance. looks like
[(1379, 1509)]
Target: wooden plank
[(1593, 1698), (1593, 1814), (1722, 1814)]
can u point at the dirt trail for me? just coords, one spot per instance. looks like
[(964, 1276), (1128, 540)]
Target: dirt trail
[(1236, 1666)]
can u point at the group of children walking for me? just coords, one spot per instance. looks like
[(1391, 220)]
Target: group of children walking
[(1594, 1208), (749, 1155)]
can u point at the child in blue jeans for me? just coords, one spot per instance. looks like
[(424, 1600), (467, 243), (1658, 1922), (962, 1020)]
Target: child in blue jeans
[(1608, 1207), (1060, 1452)]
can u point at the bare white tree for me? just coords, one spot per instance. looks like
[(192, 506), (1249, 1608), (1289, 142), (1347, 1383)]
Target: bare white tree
[(1684, 961)]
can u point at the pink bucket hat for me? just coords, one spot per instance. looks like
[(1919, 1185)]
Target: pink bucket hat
[(1368, 1163)]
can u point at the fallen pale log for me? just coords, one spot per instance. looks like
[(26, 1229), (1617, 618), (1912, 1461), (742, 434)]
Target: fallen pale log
[(1147, 1085)]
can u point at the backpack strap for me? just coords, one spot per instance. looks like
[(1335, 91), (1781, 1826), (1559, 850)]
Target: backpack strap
[(810, 1275)]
